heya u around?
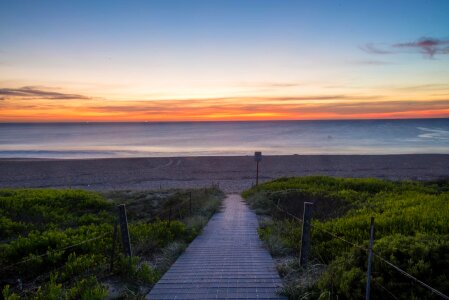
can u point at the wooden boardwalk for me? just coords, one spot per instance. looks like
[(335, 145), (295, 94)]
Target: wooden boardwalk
[(227, 261)]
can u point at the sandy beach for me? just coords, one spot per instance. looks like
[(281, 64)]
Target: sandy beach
[(233, 174)]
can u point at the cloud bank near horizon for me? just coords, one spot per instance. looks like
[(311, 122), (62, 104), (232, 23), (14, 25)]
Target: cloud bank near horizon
[(43, 104)]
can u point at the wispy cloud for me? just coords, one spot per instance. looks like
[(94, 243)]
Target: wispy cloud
[(372, 62), (380, 107), (426, 87), (371, 48), (232, 109), (279, 99), (211, 110), (269, 85), (275, 84), (30, 92), (427, 46)]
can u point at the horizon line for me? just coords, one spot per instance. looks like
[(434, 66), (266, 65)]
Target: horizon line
[(223, 121)]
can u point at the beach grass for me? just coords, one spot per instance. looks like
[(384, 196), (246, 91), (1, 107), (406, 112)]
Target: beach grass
[(411, 231), (57, 243)]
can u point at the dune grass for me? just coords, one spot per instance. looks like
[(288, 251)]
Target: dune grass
[(411, 230), (56, 244)]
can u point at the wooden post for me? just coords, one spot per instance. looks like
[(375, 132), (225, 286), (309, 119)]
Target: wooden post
[(190, 202), (114, 241), (124, 230), (370, 258), (306, 238)]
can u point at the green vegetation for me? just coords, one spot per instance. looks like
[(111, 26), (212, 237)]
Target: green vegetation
[(57, 244), (411, 231)]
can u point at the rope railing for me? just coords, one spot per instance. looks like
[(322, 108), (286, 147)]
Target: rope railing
[(434, 290), (404, 273), (88, 240), (55, 251), (22, 288)]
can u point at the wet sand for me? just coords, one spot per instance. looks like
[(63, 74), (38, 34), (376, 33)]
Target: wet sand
[(232, 173)]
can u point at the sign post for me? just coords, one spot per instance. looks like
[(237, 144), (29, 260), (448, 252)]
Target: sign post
[(257, 158)]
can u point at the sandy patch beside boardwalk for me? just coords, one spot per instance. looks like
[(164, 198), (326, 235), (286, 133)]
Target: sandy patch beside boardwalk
[(233, 173)]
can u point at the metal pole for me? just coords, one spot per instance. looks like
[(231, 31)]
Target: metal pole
[(257, 173), (124, 230), (306, 238), (370, 258)]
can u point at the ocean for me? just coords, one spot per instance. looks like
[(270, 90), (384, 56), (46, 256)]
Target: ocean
[(105, 140)]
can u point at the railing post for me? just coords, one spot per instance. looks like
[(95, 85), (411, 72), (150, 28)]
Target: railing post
[(124, 230), (306, 238), (114, 241), (370, 258)]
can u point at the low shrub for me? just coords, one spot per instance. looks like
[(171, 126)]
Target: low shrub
[(60, 241), (410, 231)]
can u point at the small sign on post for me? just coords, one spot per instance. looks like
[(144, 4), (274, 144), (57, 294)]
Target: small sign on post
[(257, 158)]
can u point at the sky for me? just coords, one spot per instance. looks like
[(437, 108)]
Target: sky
[(223, 60)]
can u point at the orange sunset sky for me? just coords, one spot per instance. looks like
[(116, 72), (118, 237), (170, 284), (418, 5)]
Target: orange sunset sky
[(211, 61)]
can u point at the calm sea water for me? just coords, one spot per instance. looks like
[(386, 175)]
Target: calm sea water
[(91, 140)]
